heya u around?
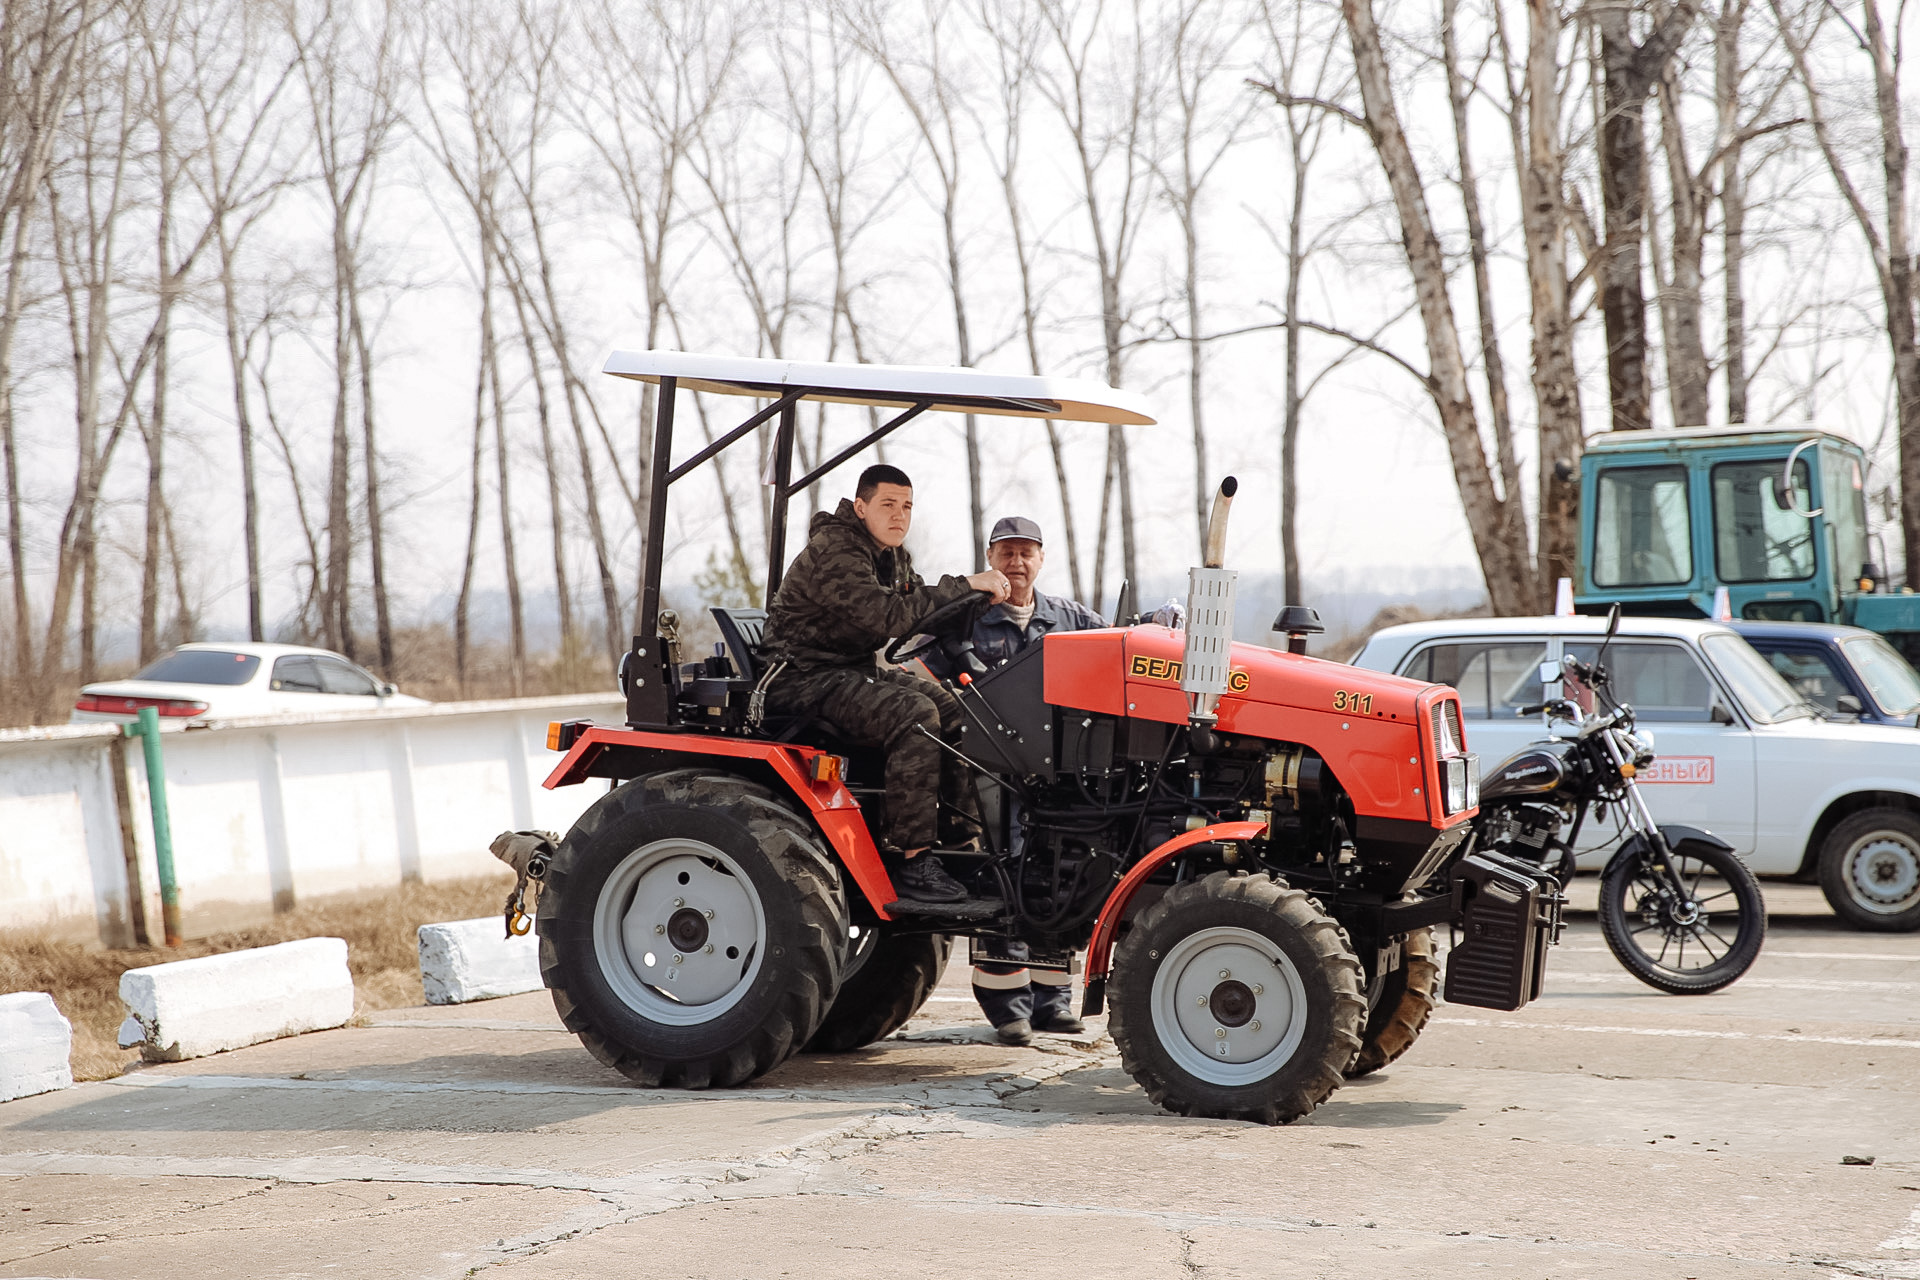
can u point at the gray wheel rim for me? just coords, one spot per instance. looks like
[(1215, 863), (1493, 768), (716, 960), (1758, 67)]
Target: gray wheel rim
[(1192, 1020), (670, 892), (1882, 873)]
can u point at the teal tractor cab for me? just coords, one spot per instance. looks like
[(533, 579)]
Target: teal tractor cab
[(1775, 515)]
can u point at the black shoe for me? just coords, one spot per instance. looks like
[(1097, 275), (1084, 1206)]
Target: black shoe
[(923, 879), (1061, 1023), (1017, 1032)]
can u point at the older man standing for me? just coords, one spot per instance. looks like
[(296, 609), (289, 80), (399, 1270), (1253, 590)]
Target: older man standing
[(1017, 1000)]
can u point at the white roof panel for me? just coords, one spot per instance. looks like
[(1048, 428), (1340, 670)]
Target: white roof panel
[(953, 389)]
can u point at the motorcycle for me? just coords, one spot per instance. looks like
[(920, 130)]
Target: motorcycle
[(1677, 906)]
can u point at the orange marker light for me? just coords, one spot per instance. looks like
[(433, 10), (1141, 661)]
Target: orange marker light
[(553, 735), (1627, 771), (824, 768)]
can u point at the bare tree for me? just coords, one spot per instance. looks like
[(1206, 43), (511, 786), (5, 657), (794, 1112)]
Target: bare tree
[(1460, 90), (541, 34), (41, 42), (1887, 237), (642, 103), (923, 76), (1104, 84), (349, 72), (1630, 72), (1505, 560), (237, 75), (1304, 77), (1016, 29), (1202, 38), (84, 198), (1535, 126)]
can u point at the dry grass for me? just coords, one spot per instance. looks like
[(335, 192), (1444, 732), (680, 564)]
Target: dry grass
[(382, 950)]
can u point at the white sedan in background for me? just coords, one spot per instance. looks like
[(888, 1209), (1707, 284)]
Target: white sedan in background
[(202, 681), (1740, 751)]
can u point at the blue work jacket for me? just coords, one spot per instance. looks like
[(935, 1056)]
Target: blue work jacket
[(996, 639)]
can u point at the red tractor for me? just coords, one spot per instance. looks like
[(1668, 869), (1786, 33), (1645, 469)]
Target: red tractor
[(1251, 846)]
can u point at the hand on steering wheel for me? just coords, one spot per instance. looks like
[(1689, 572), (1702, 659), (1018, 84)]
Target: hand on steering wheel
[(948, 617)]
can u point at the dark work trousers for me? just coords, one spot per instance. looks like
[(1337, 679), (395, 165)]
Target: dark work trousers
[(885, 707), (1007, 992)]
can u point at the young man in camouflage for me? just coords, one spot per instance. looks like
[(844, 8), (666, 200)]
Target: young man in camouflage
[(850, 592)]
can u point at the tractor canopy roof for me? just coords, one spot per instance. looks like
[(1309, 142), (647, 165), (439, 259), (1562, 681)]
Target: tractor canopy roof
[(895, 385)]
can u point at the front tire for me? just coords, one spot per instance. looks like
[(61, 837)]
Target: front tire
[(1407, 997), (1722, 918), (1870, 870), (692, 930), (1236, 998), (886, 983)]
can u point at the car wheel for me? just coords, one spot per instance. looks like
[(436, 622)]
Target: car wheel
[(1870, 870)]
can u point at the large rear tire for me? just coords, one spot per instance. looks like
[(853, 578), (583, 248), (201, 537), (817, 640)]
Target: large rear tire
[(1236, 998), (886, 983), (1407, 997), (692, 930)]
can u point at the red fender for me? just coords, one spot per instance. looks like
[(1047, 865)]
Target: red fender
[(1100, 950), (830, 804)]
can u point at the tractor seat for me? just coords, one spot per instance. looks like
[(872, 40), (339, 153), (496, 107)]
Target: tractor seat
[(744, 631)]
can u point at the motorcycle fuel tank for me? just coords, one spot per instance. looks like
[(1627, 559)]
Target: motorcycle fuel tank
[(1530, 771)]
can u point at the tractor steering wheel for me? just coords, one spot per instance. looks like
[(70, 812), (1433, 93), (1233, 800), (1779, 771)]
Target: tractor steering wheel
[(951, 616)]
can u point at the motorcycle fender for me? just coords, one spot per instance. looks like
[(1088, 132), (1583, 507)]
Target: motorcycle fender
[(1676, 835)]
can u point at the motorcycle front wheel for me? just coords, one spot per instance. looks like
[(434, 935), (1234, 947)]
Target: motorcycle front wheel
[(1687, 944)]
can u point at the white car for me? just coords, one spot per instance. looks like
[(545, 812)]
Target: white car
[(201, 681), (1740, 751)]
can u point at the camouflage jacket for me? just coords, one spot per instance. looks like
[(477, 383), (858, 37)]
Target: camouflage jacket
[(846, 596)]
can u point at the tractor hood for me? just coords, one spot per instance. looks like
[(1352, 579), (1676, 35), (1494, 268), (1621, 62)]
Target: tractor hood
[(1082, 665), (1373, 729)]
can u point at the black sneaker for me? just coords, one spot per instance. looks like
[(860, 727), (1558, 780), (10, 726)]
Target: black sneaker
[(923, 879), (1061, 1023), (1017, 1032)]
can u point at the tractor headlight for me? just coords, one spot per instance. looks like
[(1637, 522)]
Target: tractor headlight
[(1448, 741), (1462, 777)]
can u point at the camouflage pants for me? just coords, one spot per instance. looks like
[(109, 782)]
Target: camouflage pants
[(886, 708)]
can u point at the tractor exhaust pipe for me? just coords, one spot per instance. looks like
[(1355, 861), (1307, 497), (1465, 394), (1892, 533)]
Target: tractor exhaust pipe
[(1215, 553), (1205, 664)]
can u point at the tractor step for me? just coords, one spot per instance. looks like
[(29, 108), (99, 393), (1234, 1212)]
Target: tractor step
[(965, 909)]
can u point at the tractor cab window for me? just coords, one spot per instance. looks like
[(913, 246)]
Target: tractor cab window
[(1494, 680), (1843, 492), (1755, 539), (1643, 535), (1661, 681)]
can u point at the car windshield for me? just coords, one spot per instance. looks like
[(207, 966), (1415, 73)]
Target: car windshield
[(1893, 684), (1766, 697), (201, 666)]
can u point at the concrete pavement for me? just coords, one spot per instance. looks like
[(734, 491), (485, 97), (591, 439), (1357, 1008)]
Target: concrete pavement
[(1607, 1130)]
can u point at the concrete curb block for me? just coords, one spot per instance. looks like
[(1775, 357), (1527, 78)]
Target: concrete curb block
[(36, 1046), (190, 1008), (473, 960)]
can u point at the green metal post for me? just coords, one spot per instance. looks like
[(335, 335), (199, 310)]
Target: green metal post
[(148, 730)]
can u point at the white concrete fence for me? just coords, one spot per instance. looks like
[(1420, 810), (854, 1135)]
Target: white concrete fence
[(274, 810)]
